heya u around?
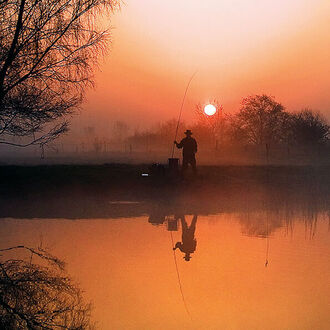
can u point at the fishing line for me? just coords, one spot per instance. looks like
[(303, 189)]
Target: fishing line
[(179, 279), (182, 104), (267, 238), (267, 252)]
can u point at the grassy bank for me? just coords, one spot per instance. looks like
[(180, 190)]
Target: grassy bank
[(114, 190), (29, 179)]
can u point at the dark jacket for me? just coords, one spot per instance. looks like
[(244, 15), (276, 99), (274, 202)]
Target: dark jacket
[(189, 146), (187, 246)]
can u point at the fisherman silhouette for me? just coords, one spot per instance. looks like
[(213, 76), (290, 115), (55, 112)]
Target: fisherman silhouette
[(189, 146), (188, 244)]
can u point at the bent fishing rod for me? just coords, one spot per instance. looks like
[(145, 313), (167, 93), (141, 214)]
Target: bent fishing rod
[(179, 279), (182, 104)]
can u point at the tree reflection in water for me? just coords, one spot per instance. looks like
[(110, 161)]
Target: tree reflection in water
[(38, 294)]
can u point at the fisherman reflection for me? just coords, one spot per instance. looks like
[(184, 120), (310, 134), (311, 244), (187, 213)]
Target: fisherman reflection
[(188, 244)]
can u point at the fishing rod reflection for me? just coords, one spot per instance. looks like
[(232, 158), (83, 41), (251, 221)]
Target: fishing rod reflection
[(188, 240)]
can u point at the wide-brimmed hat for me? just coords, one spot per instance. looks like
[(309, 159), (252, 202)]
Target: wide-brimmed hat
[(187, 257), (188, 132)]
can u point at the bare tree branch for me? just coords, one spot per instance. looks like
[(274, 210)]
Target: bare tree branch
[(35, 295), (48, 49)]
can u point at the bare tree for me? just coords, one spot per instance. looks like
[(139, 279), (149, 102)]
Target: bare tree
[(37, 293), (47, 51), (259, 121)]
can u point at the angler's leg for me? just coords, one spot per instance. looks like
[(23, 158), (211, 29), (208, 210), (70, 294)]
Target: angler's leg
[(193, 164), (185, 162), (184, 223)]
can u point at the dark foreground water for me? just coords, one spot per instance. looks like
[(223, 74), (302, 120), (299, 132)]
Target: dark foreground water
[(252, 265)]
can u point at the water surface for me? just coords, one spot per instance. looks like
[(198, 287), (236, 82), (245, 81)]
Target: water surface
[(254, 267)]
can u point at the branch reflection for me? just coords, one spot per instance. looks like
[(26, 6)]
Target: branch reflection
[(36, 293)]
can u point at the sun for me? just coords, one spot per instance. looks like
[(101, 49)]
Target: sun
[(210, 109)]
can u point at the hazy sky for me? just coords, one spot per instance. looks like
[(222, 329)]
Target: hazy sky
[(239, 47)]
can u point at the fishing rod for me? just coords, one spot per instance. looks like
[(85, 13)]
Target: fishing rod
[(267, 251), (182, 104), (179, 279)]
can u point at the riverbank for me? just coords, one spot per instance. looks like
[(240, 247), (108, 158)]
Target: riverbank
[(86, 190), (28, 179)]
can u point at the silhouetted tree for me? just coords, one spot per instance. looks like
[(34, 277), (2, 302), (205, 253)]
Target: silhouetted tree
[(47, 51), (260, 119), (286, 137), (309, 128), (235, 134), (37, 294)]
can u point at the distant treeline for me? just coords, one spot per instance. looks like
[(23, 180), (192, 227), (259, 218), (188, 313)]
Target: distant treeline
[(261, 124)]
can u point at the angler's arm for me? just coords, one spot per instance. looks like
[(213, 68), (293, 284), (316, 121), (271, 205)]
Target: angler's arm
[(179, 145), (178, 245)]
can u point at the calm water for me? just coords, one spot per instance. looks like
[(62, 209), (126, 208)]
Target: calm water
[(259, 268)]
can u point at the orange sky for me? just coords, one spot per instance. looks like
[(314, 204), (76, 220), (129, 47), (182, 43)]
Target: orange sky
[(239, 47)]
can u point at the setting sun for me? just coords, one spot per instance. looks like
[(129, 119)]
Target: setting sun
[(210, 109)]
